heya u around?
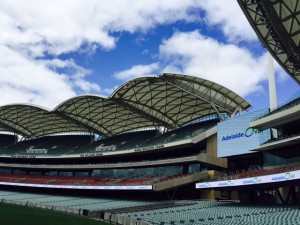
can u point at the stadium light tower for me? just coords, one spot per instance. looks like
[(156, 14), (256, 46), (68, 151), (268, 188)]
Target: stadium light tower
[(272, 83)]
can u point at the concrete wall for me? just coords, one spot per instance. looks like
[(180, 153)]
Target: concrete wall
[(212, 150), (119, 219), (176, 182)]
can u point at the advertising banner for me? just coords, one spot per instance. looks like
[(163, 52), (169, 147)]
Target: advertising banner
[(292, 175), (236, 137), (137, 187)]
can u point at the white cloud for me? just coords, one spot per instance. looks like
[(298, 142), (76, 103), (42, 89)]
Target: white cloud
[(136, 71), (194, 54), (109, 91), (230, 17), (281, 75), (76, 73), (229, 65), (25, 81), (34, 34), (57, 27)]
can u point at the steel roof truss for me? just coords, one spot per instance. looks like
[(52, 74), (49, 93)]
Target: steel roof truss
[(11, 128), (76, 121), (191, 91), (16, 127), (143, 113), (281, 46)]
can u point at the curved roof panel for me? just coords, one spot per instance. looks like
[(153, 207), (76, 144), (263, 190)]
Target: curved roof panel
[(103, 115), (33, 121), (174, 99), (168, 100), (277, 24)]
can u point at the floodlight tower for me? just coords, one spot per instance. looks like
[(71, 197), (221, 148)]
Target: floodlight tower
[(272, 89), (272, 83)]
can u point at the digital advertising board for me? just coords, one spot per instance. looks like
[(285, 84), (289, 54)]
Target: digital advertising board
[(279, 177), (236, 137), (133, 187)]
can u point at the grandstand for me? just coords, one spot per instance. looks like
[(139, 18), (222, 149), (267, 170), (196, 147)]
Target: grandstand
[(180, 134), (262, 147), (155, 134), (122, 211), (158, 144), (272, 167), (183, 138)]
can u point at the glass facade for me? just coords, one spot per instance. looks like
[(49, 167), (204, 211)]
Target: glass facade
[(81, 174), (65, 174), (160, 171), (281, 157), (139, 172), (193, 168), (5, 171)]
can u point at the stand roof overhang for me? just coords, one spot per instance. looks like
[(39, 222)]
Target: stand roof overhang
[(277, 24), (168, 100), (34, 121)]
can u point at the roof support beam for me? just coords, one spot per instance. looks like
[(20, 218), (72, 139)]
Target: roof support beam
[(237, 110), (14, 129), (219, 114), (291, 47), (82, 124), (188, 89), (270, 29), (143, 113), (149, 116)]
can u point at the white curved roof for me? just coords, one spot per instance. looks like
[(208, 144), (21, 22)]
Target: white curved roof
[(168, 100)]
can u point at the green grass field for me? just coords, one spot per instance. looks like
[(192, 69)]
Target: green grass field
[(22, 215)]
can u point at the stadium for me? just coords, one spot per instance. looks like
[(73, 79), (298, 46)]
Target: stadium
[(166, 149)]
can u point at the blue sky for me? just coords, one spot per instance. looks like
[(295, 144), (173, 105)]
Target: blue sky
[(53, 50)]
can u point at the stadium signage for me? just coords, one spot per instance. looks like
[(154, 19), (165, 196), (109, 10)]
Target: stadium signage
[(149, 148), (225, 183), (91, 154), (248, 133), (287, 176), (254, 180), (280, 177), (138, 187), (204, 185), (236, 137), (23, 156)]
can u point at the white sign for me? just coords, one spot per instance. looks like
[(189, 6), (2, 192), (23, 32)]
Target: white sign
[(140, 187), (235, 137), (292, 175)]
